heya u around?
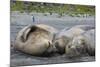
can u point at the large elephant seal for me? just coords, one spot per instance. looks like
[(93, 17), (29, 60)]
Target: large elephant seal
[(66, 35), (35, 39), (82, 44)]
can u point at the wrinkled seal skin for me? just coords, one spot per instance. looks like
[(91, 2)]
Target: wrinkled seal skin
[(82, 44), (66, 35), (35, 39)]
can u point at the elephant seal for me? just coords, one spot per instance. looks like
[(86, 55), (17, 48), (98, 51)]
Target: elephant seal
[(81, 44), (35, 39), (66, 35)]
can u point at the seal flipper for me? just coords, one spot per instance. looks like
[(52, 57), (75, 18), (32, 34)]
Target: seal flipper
[(25, 34), (29, 29)]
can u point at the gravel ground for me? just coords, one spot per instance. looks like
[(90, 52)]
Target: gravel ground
[(20, 20)]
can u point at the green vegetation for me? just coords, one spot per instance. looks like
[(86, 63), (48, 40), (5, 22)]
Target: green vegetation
[(61, 9)]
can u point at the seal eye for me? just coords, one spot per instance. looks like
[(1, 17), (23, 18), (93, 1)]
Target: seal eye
[(82, 41), (69, 46), (49, 43)]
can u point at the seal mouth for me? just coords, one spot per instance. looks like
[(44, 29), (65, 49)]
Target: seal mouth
[(75, 51), (72, 52)]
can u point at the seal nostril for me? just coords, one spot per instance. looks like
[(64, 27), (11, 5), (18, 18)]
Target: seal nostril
[(78, 49), (69, 46), (49, 43)]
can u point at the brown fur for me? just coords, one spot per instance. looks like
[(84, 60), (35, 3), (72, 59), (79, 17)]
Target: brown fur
[(35, 39)]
